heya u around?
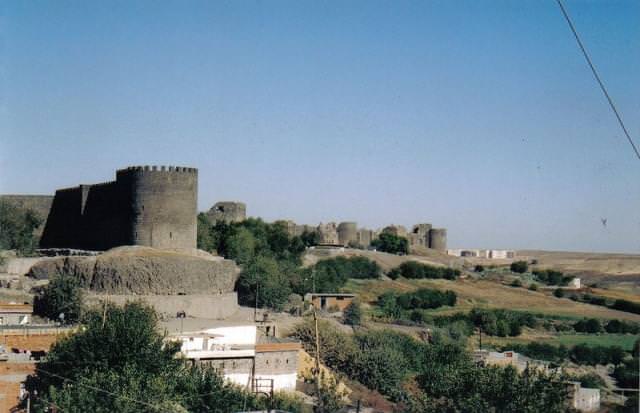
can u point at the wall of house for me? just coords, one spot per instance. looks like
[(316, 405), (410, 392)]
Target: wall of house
[(279, 366), (340, 302)]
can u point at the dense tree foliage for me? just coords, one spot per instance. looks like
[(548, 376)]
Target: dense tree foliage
[(329, 275), (579, 354), (416, 270), (626, 374), (519, 267), (501, 323), (552, 277), (353, 314), (271, 259), (464, 387), (60, 300), (267, 279), (398, 305), (622, 327), (626, 305), (391, 243), (119, 363), (588, 325), (17, 226), (447, 379)]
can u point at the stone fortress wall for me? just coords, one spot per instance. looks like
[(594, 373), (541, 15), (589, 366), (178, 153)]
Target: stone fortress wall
[(347, 233), (228, 212), (146, 205)]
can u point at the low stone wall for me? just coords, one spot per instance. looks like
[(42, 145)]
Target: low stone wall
[(21, 266), (215, 306)]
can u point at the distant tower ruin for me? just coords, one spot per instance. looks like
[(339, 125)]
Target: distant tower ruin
[(328, 233), (347, 233), (228, 212), (154, 206), (419, 235), (438, 239)]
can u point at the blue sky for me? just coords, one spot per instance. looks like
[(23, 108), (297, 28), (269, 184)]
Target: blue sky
[(478, 116)]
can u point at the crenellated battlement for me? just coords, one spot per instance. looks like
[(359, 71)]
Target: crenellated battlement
[(157, 168), (146, 205)]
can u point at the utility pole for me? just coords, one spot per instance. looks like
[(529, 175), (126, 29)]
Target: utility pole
[(255, 310), (317, 368)]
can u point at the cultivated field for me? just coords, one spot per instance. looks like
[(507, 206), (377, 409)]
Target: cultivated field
[(626, 341), (488, 294)]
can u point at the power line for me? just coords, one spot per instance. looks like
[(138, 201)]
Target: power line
[(120, 396), (595, 74)]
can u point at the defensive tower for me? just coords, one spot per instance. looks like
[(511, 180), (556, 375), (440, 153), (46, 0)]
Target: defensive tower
[(347, 232), (155, 206), (438, 239)]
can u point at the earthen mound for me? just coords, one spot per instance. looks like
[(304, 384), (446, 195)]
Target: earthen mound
[(144, 270)]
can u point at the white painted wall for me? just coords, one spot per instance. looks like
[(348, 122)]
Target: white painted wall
[(281, 381)]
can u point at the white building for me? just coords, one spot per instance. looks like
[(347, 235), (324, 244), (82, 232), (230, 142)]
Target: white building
[(482, 253), (266, 365), (584, 399)]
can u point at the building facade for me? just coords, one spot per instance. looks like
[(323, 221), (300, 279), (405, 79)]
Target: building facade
[(265, 364)]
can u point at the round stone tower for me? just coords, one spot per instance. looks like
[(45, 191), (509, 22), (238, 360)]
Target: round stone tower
[(438, 239), (347, 232), (163, 205)]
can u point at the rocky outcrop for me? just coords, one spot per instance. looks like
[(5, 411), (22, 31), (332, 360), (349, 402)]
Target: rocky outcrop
[(144, 271)]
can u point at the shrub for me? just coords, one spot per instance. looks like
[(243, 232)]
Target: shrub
[(533, 287), (591, 326), (17, 226), (622, 327), (60, 300), (390, 243), (558, 292), (552, 277), (478, 268), (266, 279), (516, 283), (353, 314), (625, 305), (330, 275), (519, 267), (416, 270)]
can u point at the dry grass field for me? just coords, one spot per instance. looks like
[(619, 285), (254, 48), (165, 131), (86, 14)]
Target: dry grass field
[(488, 294), (585, 262)]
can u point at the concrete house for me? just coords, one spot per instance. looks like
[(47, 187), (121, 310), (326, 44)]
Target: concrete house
[(262, 365), (324, 301)]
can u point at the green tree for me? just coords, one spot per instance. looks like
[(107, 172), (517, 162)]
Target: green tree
[(519, 267), (267, 279), (391, 243), (120, 363), (310, 238), (62, 295), (241, 246), (353, 314), (558, 293), (17, 226), (205, 238)]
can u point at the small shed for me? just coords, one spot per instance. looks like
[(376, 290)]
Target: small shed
[(15, 314), (324, 301)]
